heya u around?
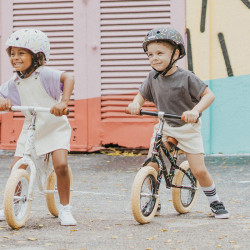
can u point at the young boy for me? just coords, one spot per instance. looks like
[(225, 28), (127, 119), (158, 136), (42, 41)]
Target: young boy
[(178, 91), (34, 84)]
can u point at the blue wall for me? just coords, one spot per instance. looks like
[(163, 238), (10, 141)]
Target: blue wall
[(226, 123)]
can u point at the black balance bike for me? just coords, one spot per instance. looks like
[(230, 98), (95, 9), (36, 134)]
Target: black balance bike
[(145, 190)]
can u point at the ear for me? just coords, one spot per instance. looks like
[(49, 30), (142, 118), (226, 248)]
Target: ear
[(176, 54)]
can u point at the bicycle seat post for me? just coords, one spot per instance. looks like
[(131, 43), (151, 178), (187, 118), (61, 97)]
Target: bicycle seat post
[(161, 122)]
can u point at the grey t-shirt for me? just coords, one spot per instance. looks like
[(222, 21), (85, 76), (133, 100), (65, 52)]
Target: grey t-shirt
[(173, 94)]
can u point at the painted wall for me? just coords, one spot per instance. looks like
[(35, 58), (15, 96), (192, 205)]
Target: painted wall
[(218, 52)]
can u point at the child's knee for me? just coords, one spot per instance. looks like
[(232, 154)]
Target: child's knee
[(61, 169), (200, 174)]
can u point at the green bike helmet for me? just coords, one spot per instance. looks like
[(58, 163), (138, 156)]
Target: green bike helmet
[(165, 34)]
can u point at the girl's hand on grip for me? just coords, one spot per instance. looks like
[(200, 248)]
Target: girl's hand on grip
[(5, 104), (58, 109), (134, 108)]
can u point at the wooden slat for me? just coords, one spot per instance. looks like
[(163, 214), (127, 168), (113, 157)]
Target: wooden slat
[(38, 5), (138, 9), (30, 23), (133, 3)]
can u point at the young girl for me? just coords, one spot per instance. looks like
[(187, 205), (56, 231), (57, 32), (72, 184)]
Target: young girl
[(34, 84), (178, 91)]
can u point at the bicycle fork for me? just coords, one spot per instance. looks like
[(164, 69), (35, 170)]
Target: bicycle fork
[(26, 160)]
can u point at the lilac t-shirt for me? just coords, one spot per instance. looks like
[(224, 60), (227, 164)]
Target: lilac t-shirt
[(50, 79)]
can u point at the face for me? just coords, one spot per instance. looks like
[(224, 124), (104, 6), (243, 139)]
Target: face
[(20, 59), (159, 54)]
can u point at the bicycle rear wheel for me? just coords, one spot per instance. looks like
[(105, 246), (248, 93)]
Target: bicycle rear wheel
[(184, 199), (16, 203), (144, 199), (52, 199)]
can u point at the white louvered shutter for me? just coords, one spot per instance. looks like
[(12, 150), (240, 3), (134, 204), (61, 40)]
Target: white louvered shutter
[(124, 65), (55, 18)]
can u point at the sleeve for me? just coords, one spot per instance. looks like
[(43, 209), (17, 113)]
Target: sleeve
[(8, 90), (145, 89), (196, 87), (50, 79)]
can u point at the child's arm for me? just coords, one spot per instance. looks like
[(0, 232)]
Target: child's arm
[(135, 106), (207, 97), (68, 86), (5, 104)]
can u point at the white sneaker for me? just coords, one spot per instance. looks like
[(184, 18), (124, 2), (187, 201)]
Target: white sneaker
[(65, 216), (2, 217)]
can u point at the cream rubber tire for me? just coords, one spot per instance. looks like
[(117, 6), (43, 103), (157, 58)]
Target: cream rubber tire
[(143, 189), (16, 205), (184, 199), (52, 199)]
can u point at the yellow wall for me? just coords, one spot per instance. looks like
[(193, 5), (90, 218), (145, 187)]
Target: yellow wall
[(232, 19)]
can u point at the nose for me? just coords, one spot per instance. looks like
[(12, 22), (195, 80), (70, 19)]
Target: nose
[(154, 57)]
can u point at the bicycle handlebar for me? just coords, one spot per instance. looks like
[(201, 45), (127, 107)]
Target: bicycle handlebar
[(152, 113), (34, 109)]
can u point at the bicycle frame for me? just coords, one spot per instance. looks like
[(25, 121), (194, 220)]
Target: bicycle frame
[(38, 170), (158, 158)]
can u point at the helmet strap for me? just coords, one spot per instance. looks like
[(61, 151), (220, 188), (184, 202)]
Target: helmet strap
[(171, 63), (33, 65)]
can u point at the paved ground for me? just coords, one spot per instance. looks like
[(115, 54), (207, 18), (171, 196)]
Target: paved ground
[(101, 205)]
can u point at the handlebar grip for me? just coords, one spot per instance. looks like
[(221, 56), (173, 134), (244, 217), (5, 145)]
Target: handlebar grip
[(127, 111), (66, 111)]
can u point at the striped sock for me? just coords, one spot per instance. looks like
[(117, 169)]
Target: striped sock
[(211, 194)]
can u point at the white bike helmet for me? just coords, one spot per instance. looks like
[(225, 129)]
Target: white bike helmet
[(32, 39)]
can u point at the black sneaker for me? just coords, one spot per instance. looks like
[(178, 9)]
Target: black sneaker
[(158, 211), (219, 210)]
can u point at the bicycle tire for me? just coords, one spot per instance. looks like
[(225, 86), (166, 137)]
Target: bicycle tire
[(184, 199), (16, 205), (52, 199), (144, 213)]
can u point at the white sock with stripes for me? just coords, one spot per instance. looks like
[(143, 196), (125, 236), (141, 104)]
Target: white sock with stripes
[(211, 194)]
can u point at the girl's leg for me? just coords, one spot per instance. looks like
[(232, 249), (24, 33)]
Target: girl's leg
[(60, 163)]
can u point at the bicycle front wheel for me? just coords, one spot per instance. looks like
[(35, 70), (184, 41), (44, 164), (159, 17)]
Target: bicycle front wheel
[(184, 198), (16, 203), (144, 199), (52, 199)]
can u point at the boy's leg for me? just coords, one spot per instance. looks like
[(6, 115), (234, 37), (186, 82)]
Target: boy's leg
[(60, 163), (199, 170)]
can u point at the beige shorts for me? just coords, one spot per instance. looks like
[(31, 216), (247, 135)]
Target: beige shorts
[(188, 136)]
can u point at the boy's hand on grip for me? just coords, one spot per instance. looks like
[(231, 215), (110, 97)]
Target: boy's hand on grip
[(134, 108), (190, 116)]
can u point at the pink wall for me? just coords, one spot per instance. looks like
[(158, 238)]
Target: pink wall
[(178, 20)]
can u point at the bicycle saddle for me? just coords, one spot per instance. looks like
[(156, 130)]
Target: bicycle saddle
[(172, 141)]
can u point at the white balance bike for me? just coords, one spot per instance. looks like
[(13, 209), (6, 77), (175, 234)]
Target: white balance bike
[(18, 193)]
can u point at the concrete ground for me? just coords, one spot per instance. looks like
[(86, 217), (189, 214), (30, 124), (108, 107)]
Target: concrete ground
[(101, 206)]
